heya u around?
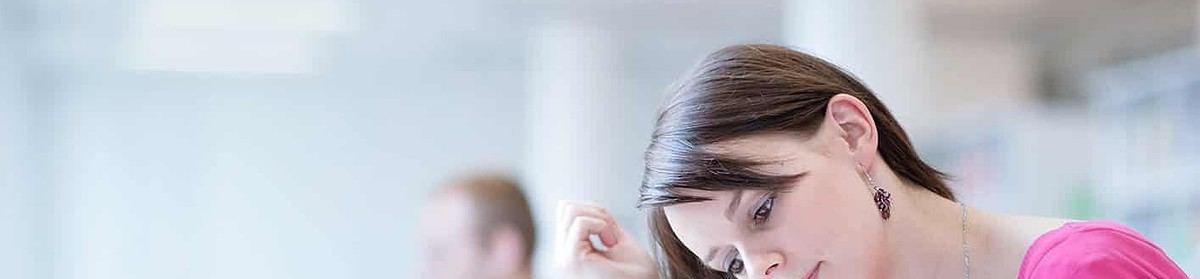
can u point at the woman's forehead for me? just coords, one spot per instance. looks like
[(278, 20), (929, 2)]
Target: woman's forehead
[(683, 213), (770, 147), (700, 224), (712, 212)]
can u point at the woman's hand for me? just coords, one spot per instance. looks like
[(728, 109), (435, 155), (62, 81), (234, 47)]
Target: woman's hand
[(620, 258)]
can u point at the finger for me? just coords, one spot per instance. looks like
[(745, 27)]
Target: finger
[(568, 207), (611, 235), (568, 210), (578, 242), (565, 216)]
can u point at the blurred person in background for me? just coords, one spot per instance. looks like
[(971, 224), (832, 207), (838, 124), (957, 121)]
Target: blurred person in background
[(771, 163), (477, 227)]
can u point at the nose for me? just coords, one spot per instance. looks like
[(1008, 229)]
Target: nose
[(763, 265), (770, 269)]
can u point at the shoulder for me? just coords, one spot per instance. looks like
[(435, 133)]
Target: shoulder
[(1096, 249)]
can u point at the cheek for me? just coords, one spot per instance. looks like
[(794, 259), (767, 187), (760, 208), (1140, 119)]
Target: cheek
[(827, 218), (807, 223)]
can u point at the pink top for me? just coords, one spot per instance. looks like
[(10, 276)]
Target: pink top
[(1096, 249)]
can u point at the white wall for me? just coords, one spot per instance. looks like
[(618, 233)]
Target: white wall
[(269, 183), (19, 197), (313, 174)]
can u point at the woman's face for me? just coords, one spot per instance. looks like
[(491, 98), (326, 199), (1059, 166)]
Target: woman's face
[(825, 222)]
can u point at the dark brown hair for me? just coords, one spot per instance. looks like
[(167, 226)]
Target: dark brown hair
[(497, 202), (744, 90)]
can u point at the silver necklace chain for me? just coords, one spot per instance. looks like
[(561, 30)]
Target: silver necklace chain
[(966, 253)]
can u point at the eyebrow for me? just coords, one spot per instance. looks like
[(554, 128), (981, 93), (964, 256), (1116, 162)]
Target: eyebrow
[(711, 254), (733, 204)]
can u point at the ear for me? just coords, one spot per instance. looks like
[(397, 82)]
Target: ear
[(854, 124), (506, 251)]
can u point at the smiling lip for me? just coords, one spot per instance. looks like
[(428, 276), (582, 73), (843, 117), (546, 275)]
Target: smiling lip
[(812, 274)]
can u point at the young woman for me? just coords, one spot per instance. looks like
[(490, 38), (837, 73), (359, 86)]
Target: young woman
[(771, 163)]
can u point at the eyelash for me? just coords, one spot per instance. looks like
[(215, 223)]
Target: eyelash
[(729, 269), (759, 216), (764, 210)]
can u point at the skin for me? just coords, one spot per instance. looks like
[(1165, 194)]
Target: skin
[(826, 224), (452, 247), (575, 255)]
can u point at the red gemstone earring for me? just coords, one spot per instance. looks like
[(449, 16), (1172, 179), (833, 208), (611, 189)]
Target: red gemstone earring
[(883, 199)]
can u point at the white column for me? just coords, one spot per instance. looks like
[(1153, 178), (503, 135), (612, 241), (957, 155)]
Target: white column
[(879, 41), (20, 239), (578, 123)]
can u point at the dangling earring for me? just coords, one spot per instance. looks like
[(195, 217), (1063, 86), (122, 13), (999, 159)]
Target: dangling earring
[(883, 199)]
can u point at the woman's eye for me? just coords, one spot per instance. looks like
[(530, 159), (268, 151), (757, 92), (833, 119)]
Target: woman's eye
[(735, 267), (764, 210)]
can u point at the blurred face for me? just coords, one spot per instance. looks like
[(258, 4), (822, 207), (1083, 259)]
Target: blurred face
[(450, 247), (825, 225)]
